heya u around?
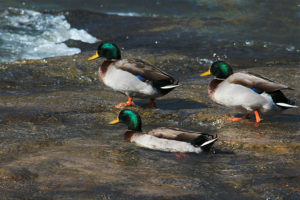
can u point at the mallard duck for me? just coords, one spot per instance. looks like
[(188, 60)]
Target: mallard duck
[(245, 92), (163, 139), (132, 77)]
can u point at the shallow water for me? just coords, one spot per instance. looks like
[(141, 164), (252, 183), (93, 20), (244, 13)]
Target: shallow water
[(55, 142)]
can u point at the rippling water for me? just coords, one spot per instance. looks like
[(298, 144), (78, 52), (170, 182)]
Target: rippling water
[(33, 35), (55, 142)]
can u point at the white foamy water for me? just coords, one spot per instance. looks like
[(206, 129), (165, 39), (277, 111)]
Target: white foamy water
[(34, 35)]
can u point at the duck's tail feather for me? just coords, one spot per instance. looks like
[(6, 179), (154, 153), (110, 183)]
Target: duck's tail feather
[(206, 146), (171, 86), (166, 87), (285, 105), (205, 141)]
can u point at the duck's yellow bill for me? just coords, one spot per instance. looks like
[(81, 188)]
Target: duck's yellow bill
[(206, 73), (94, 56), (115, 121)]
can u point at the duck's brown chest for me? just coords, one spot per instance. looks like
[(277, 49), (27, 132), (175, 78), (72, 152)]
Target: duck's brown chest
[(212, 86), (103, 69), (129, 134)]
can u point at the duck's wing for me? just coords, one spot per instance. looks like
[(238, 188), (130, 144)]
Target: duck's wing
[(255, 81), (177, 134), (143, 69)]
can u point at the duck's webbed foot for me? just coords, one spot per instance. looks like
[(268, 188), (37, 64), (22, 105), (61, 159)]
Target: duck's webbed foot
[(123, 105), (235, 119)]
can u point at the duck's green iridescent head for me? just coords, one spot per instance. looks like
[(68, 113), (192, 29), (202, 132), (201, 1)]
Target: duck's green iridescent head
[(107, 50), (219, 69), (130, 118)]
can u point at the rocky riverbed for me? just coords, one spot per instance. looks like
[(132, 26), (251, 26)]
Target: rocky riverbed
[(55, 141)]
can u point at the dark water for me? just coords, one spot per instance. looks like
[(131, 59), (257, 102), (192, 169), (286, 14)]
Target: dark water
[(256, 31), (54, 139)]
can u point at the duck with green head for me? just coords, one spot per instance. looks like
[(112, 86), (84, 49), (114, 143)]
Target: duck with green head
[(163, 139), (245, 92), (132, 77)]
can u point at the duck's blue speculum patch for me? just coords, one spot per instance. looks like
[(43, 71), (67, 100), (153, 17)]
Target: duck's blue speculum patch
[(258, 91), (141, 78)]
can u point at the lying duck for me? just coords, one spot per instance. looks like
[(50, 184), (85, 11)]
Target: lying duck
[(245, 92), (132, 77), (163, 139)]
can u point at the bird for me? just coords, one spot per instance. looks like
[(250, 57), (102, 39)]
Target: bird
[(246, 92), (163, 139), (132, 77)]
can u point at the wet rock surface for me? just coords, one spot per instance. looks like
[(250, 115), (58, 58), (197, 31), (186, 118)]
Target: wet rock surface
[(55, 141)]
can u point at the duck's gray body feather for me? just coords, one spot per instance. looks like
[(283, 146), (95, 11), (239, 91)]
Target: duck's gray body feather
[(125, 76)]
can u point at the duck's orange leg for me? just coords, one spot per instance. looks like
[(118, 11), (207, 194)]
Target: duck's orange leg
[(123, 105), (181, 155), (235, 119), (257, 117)]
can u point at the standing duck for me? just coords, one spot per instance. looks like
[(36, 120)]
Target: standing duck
[(163, 139), (245, 92), (132, 77)]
